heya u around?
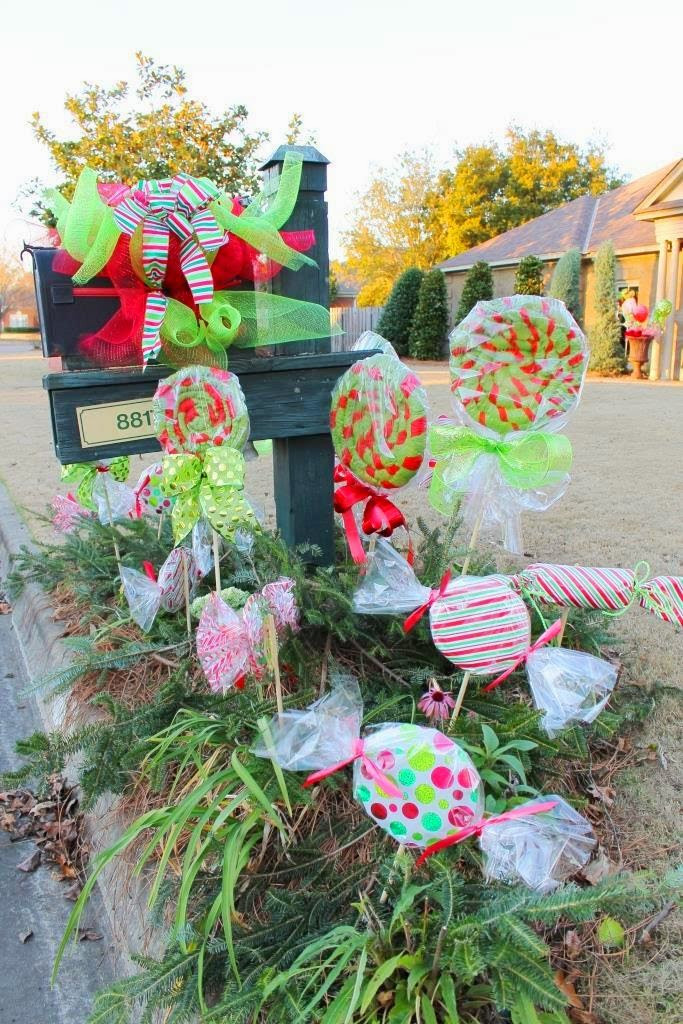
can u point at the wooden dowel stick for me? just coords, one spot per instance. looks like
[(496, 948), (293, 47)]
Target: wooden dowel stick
[(274, 660), (161, 523), (563, 619), (216, 562), (186, 591), (465, 566), (111, 525)]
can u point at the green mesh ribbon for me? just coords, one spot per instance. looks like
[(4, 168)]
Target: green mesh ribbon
[(210, 486), (527, 461), (89, 233), (86, 226), (84, 474), (246, 320)]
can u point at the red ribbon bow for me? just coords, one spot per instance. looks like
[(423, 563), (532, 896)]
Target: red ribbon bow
[(373, 770), (415, 616), (380, 515), (545, 638), (476, 830)]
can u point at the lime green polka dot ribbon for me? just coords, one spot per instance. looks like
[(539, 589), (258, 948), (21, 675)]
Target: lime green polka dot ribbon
[(528, 461), (210, 486), (84, 474)]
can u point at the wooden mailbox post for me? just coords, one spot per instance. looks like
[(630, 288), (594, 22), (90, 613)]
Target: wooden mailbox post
[(98, 414)]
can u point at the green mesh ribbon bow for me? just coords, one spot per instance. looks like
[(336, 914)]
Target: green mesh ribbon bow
[(210, 485), (84, 475), (528, 461)]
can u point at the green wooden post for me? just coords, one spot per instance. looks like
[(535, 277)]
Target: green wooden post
[(303, 467)]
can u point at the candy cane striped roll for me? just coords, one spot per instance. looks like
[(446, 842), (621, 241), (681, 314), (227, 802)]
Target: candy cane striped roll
[(663, 597), (607, 590), (480, 625)]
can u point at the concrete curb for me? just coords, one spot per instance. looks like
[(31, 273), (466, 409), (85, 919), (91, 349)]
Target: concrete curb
[(40, 640)]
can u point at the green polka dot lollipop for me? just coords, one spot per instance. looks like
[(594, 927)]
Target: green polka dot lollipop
[(414, 782)]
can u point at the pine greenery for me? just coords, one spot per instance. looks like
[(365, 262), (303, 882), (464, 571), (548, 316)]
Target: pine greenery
[(529, 276), (430, 322), (271, 895), (478, 286), (606, 351), (565, 284), (397, 316)]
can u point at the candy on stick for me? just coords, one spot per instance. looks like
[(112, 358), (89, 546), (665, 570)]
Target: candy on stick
[(202, 423), (378, 421), (146, 592), (517, 368), (231, 645), (473, 620), (414, 782), (150, 498), (68, 513)]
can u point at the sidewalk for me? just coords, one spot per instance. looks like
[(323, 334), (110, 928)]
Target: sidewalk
[(34, 902)]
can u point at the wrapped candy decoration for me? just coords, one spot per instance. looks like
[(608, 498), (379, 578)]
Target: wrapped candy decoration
[(569, 686), (541, 851), (89, 479), (175, 249), (378, 422), (231, 644), (473, 621), (414, 782), (202, 423), (146, 592), (607, 590), (517, 369), (149, 495), (68, 513)]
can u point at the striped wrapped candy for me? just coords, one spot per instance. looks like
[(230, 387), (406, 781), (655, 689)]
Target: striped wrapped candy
[(608, 590), (480, 625)]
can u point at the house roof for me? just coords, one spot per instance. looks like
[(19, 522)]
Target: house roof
[(582, 224)]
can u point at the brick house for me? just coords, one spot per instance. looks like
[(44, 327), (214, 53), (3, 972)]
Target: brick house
[(644, 221)]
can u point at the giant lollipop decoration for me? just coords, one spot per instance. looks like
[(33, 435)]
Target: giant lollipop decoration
[(378, 422), (517, 368), (202, 423)]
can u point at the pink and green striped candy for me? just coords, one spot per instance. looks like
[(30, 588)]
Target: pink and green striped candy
[(480, 624)]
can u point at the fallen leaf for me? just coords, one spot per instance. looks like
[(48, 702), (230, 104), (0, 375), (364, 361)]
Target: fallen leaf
[(88, 935), (73, 892), (25, 936), (566, 986), (31, 863), (572, 944), (5, 608), (600, 867), (582, 1016), (611, 934), (605, 794)]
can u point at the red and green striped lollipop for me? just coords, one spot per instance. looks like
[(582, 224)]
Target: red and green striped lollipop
[(199, 407), (518, 364), (379, 422)]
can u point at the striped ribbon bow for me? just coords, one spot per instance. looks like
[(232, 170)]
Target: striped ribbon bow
[(84, 475), (177, 205)]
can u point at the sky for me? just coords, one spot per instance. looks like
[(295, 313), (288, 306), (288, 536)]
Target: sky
[(370, 77)]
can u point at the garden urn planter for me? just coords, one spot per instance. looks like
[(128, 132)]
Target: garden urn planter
[(638, 351)]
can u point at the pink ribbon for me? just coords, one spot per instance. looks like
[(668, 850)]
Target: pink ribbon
[(478, 828), (550, 633), (415, 616), (373, 770)]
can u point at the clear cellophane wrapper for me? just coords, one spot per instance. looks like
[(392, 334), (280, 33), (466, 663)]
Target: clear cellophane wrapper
[(389, 587), (114, 501), (541, 851), (569, 686)]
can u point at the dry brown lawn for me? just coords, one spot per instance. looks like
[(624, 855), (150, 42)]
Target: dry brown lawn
[(625, 504)]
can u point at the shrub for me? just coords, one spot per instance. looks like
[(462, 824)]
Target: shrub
[(566, 280), (430, 322), (607, 354), (529, 276), (396, 320), (478, 286)]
